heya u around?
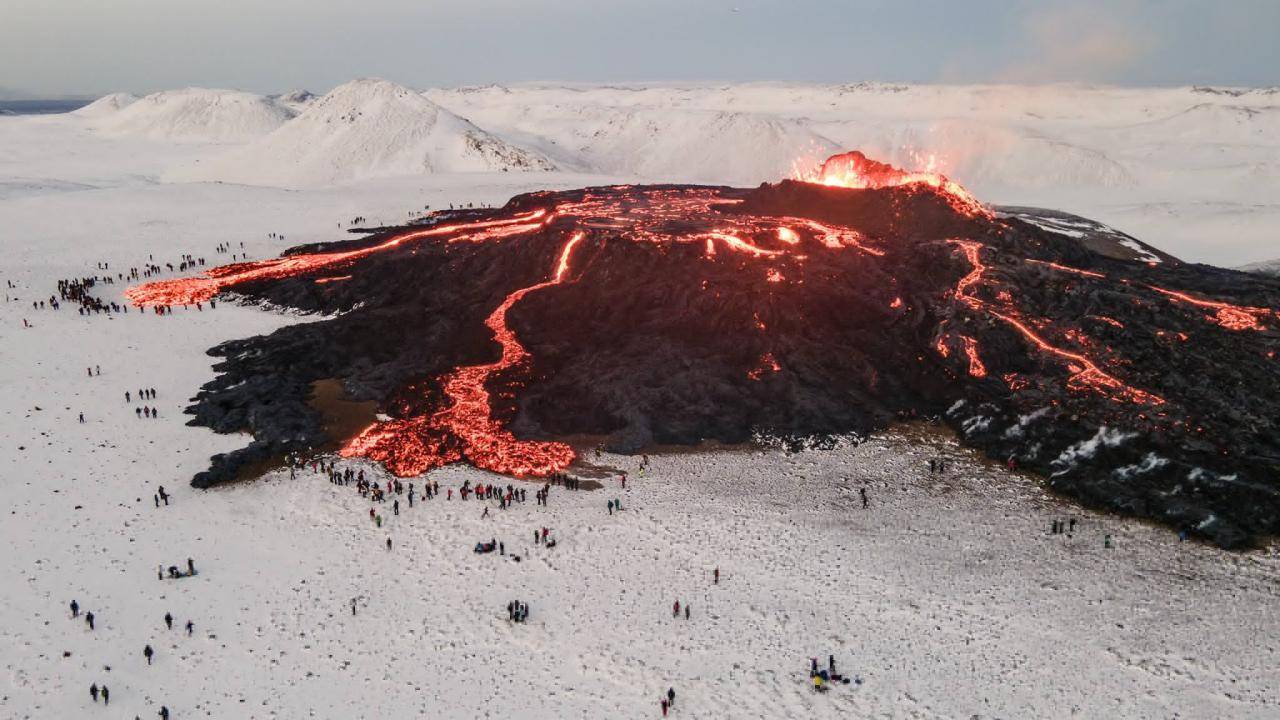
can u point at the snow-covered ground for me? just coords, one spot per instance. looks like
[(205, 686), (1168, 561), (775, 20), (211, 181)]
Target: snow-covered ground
[(1195, 171), (947, 597)]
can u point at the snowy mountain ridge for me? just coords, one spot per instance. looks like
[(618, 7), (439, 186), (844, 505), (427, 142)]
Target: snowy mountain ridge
[(365, 129), (194, 114), (1170, 165)]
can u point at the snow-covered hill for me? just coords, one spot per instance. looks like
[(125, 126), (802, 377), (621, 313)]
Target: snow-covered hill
[(1022, 144), (197, 114), (106, 105), (1266, 267), (655, 143), (1193, 170), (361, 130)]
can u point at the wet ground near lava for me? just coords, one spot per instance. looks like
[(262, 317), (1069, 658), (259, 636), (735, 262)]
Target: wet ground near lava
[(800, 310)]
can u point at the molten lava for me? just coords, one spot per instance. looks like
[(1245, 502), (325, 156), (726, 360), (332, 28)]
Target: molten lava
[(667, 314), (855, 170), (1085, 373), (466, 429), (1231, 317), (188, 291)]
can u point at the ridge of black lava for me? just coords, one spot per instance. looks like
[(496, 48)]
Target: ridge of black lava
[(662, 344)]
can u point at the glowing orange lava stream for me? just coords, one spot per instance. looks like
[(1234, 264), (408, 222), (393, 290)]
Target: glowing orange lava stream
[(414, 445), (1065, 268), (1084, 371), (201, 288), (1231, 317)]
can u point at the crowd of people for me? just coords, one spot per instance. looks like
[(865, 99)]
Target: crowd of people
[(80, 291), (566, 480), (824, 678), (517, 611), (176, 573), (498, 496), (102, 691)]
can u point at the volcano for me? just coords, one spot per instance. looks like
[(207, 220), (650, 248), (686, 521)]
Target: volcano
[(825, 306)]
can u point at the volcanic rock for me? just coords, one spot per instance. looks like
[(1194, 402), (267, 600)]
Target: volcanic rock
[(796, 310)]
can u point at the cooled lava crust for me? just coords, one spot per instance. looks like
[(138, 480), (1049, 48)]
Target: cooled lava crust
[(798, 310)]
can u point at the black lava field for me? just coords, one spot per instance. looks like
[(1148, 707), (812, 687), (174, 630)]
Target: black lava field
[(797, 312)]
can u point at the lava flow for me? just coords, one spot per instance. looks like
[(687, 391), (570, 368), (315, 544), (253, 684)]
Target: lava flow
[(1085, 373), (201, 288), (827, 306), (1231, 317), (466, 429)]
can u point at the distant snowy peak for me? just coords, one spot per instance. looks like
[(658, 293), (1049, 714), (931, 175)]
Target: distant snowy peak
[(1235, 91), (106, 105), (367, 129), (198, 114), (872, 87), (1266, 267), (699, 146), (658, 143), (296, 100), (1211, 122)]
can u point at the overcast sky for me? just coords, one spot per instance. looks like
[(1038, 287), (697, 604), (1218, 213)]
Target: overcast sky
[(54, 47)]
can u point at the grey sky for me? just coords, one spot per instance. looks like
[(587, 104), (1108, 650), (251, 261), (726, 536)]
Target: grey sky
[(93, 46)]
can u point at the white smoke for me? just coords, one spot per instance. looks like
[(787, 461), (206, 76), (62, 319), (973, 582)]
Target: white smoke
[(1085, 42)]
